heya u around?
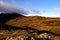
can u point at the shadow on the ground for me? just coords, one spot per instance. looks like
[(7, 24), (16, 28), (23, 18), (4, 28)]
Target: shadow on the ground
[(9, 27)]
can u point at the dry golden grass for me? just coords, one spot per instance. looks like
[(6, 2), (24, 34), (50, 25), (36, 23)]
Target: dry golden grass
[(37, 22)]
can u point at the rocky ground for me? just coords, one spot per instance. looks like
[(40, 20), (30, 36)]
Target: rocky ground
[(25, 35)]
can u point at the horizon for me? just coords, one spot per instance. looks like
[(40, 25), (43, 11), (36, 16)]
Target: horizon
[(47, 8)]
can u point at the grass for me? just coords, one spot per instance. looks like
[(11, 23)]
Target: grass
[(37, 22)]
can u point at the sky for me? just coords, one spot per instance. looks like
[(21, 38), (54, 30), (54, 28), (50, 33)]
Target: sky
[(48, 8)]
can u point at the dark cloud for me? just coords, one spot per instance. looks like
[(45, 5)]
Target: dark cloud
[(8, 8)]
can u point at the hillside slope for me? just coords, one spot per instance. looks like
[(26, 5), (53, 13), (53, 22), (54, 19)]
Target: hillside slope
[(7, 16), (37, 22)]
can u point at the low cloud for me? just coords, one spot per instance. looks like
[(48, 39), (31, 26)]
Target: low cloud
[(8, 8)]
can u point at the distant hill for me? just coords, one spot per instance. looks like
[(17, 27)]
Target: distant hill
[(7, 16), (37, 22)]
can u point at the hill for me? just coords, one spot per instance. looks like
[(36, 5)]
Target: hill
[(7, 16), (37, 22)]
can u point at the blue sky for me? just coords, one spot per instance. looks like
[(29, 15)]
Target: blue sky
[(41, 7)]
